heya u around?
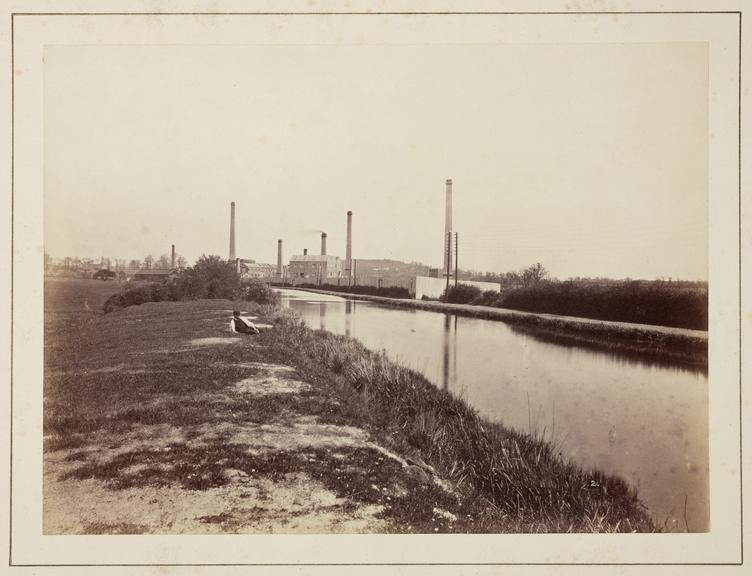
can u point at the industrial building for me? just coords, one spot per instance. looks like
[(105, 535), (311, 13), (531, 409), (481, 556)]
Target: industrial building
[(154, 275), (258, 271), (314, 269), (387, 273)]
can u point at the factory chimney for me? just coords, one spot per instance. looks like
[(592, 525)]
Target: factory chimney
[(232, 230), (323, 243), (448, 229), (348, 248), (305, 251), (279, 258), (173, 257)]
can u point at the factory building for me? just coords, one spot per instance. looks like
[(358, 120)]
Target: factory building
[(387, 273), (314, 269), (258, 271), (154, 275)]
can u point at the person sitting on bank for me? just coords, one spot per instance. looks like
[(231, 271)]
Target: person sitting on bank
[(242, 325)]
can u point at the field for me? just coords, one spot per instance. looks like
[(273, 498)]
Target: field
[(158, 419)]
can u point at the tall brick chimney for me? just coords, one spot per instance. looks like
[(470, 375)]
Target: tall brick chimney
[(173, 257), (348, 247), (323, 243), (232, 230), (448, 229), (279, 258)]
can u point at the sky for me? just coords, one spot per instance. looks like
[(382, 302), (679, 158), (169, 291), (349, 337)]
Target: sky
[(588, 158)]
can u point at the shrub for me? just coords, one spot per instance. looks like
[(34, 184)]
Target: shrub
[(461, 294), (114, 302), (158, 292), (487, 298), (211, 277), (259, 292), (135, 294), (659, 303)]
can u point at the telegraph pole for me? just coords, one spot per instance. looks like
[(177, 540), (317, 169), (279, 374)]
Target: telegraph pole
[(456, 256)]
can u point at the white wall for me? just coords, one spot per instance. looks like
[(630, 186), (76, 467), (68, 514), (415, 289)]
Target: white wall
[(434, 287)]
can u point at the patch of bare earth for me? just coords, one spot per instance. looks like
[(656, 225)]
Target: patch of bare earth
[(288, 473)]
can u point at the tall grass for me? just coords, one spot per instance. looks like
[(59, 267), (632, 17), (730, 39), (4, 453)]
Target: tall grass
[(521, 476)]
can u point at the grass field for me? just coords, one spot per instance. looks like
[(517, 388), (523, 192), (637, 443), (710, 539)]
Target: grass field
[(158, 419)]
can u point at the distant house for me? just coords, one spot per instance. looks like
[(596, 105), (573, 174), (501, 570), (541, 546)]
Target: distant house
[(154, 275)]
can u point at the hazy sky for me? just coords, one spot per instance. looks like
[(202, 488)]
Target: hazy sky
[(591, 159)]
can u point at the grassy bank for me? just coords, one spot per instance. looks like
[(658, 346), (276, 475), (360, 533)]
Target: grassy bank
[(143, 405), (673, 345), (523, 480)]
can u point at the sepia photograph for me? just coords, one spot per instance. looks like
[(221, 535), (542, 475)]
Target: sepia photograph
[(396, 274), (317, 330)]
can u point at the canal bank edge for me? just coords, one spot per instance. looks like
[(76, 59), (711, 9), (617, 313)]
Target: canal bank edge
[(680, 345)]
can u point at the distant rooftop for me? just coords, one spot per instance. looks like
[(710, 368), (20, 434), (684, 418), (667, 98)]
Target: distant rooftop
[(154, 272), (313, 258)]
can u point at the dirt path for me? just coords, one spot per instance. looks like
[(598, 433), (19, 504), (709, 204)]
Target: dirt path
[(152, 432)]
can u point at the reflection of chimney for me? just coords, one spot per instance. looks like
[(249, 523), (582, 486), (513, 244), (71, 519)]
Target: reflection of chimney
[(323, 243), (232, 230), (305, 251), (348, 248), (448, 229), (279, 258), (173, 256)]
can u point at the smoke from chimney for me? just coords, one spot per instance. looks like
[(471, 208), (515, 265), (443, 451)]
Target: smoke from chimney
[(323, 243), (279, 258), (448, 229), (232, 230)]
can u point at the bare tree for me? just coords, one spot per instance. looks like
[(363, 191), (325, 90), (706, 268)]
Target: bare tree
[(149, 262), (182, 262), (164, 262), (534, 274)]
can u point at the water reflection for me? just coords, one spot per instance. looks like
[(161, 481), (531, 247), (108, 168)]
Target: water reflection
[(349, 311), (449, 353), (639, 417), (447, 319), (621, 355)]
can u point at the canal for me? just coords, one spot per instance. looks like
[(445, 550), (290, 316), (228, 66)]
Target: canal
[(640, 419)]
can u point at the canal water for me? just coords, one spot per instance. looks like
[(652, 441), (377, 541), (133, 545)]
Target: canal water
[(640, 419)]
